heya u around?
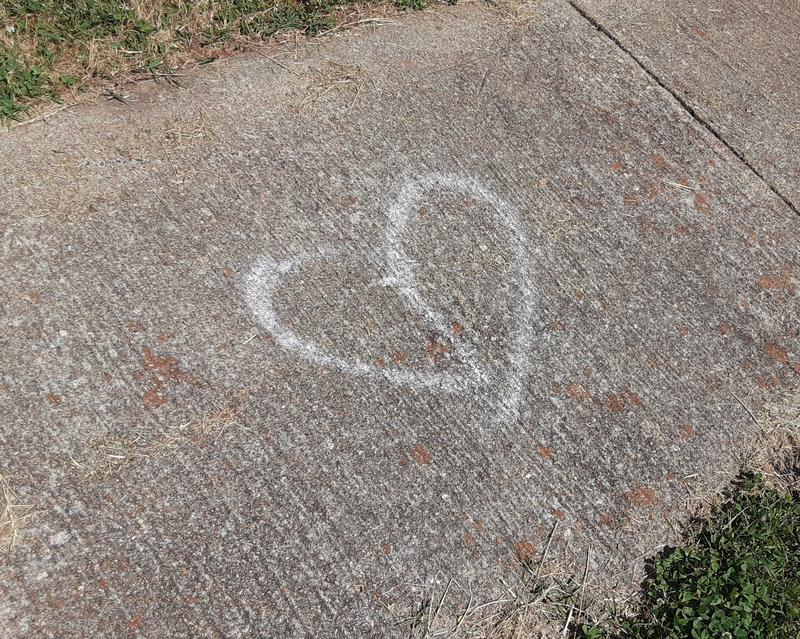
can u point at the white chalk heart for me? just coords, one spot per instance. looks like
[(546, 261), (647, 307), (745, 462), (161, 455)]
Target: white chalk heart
[(264, 276)]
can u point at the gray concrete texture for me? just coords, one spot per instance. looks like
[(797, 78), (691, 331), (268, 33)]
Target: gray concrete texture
[(734, 64), (331, 324)]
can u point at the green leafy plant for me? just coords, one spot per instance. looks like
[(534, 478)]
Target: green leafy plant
[(738, 579), (50, 47)]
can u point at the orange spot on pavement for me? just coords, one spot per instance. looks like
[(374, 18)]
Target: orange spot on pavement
[(524, 551), (686, 432), (579, 294), (545, 451), (420, 454), (435, 348), (641, 497), (699, 32), (777, 353), (53, 398), (163, 367), (457, 328), (228, 272), (614, 403), (660, 161), (682, 230), (400, 357), (136, 327), (702, 204), (576, 390), (724, 329), (558, 326), (387, 549), (558, 514), (631, 398), (765, 281), (616, 165), (380, 362), (684, 330), (468, 538), (154, 398), (479, 524), (35, 297), (606, 519)]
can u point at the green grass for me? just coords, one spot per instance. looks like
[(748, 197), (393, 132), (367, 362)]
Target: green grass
[(739, 578), (51, 48)]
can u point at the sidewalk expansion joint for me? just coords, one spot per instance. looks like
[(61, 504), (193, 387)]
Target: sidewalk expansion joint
[(686, 106)]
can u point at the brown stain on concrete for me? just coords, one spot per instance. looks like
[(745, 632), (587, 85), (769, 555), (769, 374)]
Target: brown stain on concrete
[(163, 367), (631, 398), (646, 226), (435, 348), (659, 161), (558, 514), (479, 524), (53, 398), (616, 165), (420, 454), (469, 539), (544, 451), (642, 497), (155, 397), (781, 281), (653, 190), (161, 370), (400, 357), (724, 329), (686, 432), (702, 204), (577, 391), (524, 551), (457, 328), (777, 353), (614, 403), (36, 297), (135, 327), (699, 32)]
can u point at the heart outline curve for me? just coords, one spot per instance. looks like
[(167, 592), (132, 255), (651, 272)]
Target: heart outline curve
[(265, 274)]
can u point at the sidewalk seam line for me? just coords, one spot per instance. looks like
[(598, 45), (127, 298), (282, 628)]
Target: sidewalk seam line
[(686, 106)]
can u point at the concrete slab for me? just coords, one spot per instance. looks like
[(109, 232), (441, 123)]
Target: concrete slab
[(322, 326), (735, 64)]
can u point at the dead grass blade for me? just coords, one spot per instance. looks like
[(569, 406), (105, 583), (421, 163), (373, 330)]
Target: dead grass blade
[(13, 516)]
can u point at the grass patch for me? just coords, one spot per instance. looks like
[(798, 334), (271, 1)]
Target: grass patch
[(12, 516), (737, 578), (51, 49)]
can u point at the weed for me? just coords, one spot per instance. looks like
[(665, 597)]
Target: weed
[(738, 578), (50, 48)]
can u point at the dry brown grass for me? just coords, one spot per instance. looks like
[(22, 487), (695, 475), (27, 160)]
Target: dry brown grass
[(332, 82), (542, 598), (109, 453), (13, 515)]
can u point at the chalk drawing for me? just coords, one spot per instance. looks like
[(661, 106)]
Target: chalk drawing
[(507, 387)]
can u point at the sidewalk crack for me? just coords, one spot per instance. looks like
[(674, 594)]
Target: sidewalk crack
[(685, 105)]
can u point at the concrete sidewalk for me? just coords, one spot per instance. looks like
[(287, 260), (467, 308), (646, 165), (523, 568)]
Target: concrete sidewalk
[(334, 325)]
